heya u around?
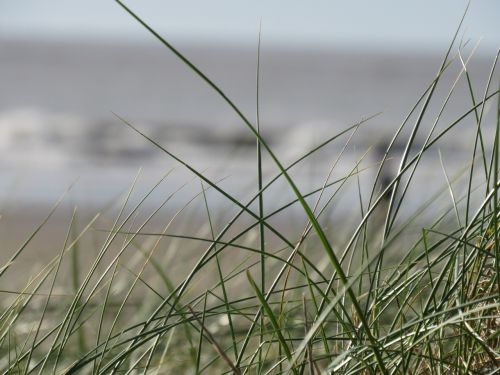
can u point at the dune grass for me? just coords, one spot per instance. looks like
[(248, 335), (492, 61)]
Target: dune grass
[(391, 294)]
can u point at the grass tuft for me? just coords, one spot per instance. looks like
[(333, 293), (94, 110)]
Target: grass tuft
[(402, 286)]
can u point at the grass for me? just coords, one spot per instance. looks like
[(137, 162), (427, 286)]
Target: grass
[(398, 291)]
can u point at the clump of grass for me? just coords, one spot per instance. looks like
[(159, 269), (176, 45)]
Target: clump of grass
[(254, 298)]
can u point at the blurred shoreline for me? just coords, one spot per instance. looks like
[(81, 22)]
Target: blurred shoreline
[(57, 99)]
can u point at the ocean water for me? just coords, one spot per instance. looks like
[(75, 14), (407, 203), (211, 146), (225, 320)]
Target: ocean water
[(58, 102)]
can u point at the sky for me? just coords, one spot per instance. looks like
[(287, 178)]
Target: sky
[(389, 24)]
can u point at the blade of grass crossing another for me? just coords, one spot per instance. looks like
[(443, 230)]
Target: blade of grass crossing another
[(326, 244)]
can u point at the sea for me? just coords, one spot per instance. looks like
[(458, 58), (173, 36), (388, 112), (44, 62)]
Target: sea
[(68, 110)]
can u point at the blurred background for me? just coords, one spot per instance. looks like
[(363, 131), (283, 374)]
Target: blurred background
[(67, 65)]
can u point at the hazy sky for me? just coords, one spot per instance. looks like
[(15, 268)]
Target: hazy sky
[(355, 23)]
